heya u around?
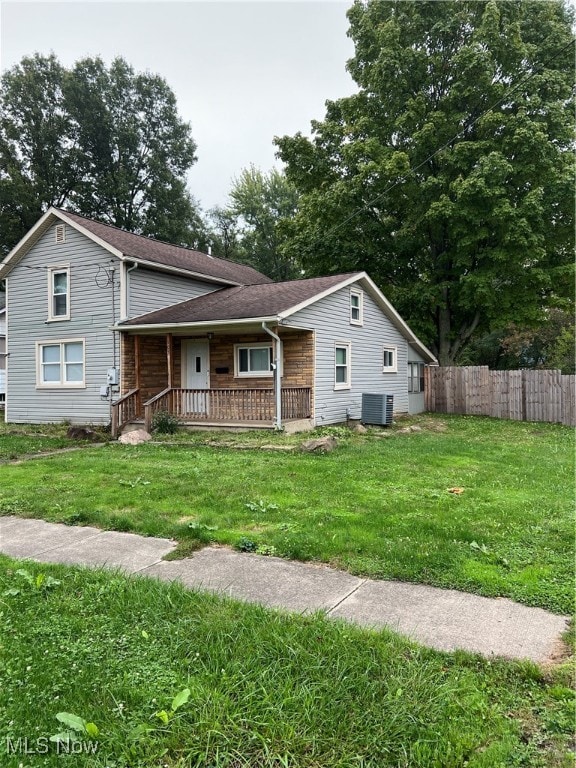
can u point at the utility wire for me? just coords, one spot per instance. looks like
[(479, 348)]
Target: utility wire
[(448, 143)]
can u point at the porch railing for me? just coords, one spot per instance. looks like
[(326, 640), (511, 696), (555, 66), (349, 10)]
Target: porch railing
[(126, 409), (228, 405)]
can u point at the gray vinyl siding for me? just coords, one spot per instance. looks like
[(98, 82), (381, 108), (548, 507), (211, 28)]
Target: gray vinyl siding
[(330, 318), (2, 340), (91, 315), (149, 290)]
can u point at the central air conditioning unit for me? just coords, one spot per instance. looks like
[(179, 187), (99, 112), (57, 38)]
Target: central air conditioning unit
[(377, 409)]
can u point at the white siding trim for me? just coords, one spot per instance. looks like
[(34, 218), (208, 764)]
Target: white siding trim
[(31, 237), (123, 291), (179, 271), (328, 292), (88, 234), (205, 324)]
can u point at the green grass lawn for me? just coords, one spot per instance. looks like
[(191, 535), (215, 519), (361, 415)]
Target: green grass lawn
[(378, 507), (259, 688), (22, 440)]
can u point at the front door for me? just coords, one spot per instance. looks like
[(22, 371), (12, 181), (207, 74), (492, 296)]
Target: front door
[(197, 376)]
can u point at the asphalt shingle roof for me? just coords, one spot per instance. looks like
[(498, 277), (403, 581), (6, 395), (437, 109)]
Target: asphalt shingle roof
[(265, 300), (145, 248)]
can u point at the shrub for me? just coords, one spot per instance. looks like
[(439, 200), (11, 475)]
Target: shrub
[(165, 423)]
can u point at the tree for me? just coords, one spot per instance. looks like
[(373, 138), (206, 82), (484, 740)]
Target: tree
[(104, 142), (448, 175), (224, 233), (260, 204)]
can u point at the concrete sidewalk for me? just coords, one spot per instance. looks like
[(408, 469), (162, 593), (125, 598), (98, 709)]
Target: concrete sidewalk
[(440, 618)]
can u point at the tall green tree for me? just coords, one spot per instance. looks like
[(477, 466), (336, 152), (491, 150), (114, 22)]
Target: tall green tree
[(106, 142), (225, 235), (261, 203), (449, 174)]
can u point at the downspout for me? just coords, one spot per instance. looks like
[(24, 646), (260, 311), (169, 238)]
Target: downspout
[(277, 376)]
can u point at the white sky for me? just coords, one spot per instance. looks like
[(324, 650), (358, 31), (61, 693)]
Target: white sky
[(242, 72)]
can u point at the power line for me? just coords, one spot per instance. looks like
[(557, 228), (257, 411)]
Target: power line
[(448, 143)]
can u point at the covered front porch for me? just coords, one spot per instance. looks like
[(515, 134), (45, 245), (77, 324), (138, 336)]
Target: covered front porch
[(220, 378)]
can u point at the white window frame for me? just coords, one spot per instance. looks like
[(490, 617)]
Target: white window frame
[(347, 345), (238, 374), (359, 294), (62, 384), (390, 368), (52, 271), (411, 378)]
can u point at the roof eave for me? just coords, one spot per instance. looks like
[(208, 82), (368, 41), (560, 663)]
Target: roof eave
[(202, 324), (398, 321), (34, 234), (321, 295), (158, 266)]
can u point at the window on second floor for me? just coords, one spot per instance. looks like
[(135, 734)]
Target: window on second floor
[(356, 307), (59, 293)]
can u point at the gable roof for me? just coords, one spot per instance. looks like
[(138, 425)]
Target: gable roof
[(137, 248), (269, 302)]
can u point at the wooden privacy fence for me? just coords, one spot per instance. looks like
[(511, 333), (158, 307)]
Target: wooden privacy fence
[(519, 395)]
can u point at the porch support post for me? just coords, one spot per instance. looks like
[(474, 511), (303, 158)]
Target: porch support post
[(137, 362), (170, 366), (169, 359), (137, 373)]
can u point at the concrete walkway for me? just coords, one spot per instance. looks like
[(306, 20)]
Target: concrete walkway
[(440, 618)]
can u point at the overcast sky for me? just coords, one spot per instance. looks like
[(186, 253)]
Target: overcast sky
[(242, 72)]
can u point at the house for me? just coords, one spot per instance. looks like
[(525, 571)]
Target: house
[(2, 350), (105, 326)]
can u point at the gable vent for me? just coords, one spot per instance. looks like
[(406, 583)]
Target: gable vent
[(60, 233)]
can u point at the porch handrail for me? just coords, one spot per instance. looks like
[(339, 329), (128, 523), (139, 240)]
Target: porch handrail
[(229, 404), (124, 410), (155, 404)]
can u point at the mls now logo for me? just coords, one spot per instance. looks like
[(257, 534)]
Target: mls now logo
[(42, 745)]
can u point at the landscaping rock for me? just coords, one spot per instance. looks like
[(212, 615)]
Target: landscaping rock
[(360, 429), (278, 447), (320, 445), (81, 433), (136, 437)]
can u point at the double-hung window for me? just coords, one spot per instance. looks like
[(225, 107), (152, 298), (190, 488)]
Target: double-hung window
[(253, 360), (415, 378), (59, 293), (356, 307), (389, 360), (60, 363), (342, 365)]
